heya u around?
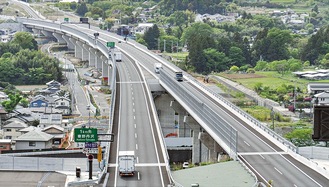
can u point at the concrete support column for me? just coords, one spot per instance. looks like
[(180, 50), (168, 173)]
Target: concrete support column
[(165, 113), (37, 31), (59, 38), (106, 71), (198, 151), (98, 60), (183, 130), (92, 56), (78, 49), (85, 53), (214, 150), (70, 44), (48, 34)]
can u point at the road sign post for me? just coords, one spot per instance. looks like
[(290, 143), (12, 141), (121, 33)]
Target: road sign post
[(90, 159), (110, 44)]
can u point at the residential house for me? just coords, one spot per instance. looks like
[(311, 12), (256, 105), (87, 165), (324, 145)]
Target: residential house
[(3, 115), (39, 101), (142, 28), (3, 96), (317, 87), (34, 140), (25, 115), (5, 144), (50, 119), (63, 104), (43, 101), (57, 132), (48, 91), (5, 38), (28, 129), (321, 98), (12, 129), (53, 83)]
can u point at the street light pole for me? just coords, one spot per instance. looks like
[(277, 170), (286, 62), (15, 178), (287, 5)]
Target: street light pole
[(88, 108), (272, 116)]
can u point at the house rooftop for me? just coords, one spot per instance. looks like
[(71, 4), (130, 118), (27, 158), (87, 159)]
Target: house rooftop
[(55, 127), (35, 135), (16, 124)]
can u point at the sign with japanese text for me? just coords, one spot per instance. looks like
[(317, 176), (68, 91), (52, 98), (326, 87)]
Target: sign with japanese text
[(85, 135)]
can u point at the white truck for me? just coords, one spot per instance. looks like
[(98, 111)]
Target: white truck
[(117, 56), (157, 67), (126, 163)]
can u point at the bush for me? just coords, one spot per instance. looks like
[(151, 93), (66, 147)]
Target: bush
[(251, 70), (106, 90)]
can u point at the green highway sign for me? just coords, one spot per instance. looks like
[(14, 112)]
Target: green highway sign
[(110, 44), (85, 135), (66, 19)]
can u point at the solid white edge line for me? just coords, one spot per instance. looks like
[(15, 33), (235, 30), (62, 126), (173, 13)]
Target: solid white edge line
[(118, 139)]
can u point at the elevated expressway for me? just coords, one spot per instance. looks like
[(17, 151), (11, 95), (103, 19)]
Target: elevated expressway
[(269, 156)]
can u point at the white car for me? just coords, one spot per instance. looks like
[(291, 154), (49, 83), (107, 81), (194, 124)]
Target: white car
[(185, 165)]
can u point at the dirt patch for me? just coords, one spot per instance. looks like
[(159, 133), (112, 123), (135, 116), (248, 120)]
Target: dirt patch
[(242, 76), (30, 87)]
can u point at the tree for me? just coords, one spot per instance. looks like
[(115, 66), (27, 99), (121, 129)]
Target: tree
[(10, 104), (151, 37), (325, 61), (82, 9), (261, 65), (24, 102), (216, 61), (300, 137), (10, 73), (236, 56), (281, 66), (198, 37), (295, 64), (272, 45), (25, 40), (316, 45), (234, 68)]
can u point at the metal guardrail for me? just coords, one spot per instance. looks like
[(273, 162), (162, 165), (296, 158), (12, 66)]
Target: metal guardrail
[(226, 132)]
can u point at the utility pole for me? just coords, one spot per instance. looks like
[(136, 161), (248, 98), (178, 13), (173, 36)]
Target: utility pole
[(294, 97), (272, 116)]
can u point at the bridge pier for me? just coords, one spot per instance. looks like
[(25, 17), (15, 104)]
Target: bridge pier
[(37, 31), (98, 60), (58, 37), (183, 130), (92, 57), (77, 49), (69, 43), (205, 148), (85, 53)]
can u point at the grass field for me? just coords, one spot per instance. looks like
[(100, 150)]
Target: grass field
[(271, 79), (283, 1), (179, 56)]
